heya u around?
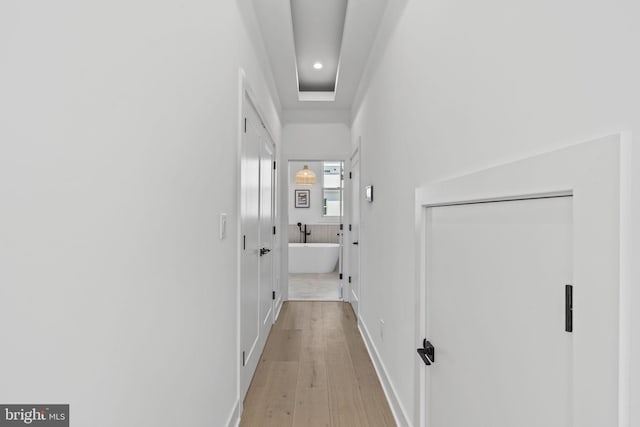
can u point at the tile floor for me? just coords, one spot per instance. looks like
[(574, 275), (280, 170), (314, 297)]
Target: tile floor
[(314, 287)]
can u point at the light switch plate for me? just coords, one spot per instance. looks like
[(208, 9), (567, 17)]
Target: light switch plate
[(223, 226)]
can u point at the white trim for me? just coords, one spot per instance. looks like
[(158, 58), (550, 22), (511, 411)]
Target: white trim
[(279, 303), (284, 217), (241, 90), (356, 154), (597, 174), (253, 101), (399, 413), (626, 260), (316, 116), (234, 417), (293, 42), (356, 150), (316, 96)]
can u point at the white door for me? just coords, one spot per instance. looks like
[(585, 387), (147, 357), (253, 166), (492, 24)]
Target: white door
[(256, 228), (266, 236), (496, 276), (340, 236), (275, 239), (354, 245)]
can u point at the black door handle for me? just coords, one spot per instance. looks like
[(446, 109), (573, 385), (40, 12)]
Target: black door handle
[(427, 352), (355, 243), (264, 251)]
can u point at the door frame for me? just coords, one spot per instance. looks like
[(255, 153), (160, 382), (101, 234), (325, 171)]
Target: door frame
[(269, 142), (284, 217), (355, 192), (275, 237), (598, 176), (247, 95)]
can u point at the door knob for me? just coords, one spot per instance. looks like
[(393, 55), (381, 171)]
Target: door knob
[(427, 352), (264, 251), (355, 243)]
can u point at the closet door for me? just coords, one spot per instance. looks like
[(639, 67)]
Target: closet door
[(256, 273), (496, 292)]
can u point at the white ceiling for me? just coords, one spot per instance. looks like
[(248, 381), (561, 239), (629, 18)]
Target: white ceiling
[(317, 36), (362, 21)]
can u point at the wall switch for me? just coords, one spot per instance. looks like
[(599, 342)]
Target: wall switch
[(223, 226)]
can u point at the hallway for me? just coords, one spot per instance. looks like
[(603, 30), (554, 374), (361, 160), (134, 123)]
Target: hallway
[(315, 371), (149, 208)]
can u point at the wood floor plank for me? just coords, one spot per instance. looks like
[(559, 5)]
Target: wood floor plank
[(345, 400), (273, 405), (364, 367), (282, 393), (332, 315), (316, 323), (313, 346), (376, 407), (284, 318), (301, 318), (312, 398), (283, 345), (316, 371), (258, 395)]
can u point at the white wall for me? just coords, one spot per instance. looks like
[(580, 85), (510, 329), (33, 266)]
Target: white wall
[(316, 141), (118, 151), (465, 85), (315, 213)]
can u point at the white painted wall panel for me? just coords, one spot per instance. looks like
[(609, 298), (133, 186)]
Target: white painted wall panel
[(462, 86), (118, 148)]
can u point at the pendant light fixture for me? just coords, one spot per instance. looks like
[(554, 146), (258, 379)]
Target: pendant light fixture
[(305, 176)]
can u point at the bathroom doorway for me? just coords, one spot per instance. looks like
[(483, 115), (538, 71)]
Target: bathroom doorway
[(315, 211)]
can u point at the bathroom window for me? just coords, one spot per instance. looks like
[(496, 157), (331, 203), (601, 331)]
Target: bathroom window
[(332, 186)]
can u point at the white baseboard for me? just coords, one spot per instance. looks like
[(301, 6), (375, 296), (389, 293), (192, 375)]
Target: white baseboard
[(234, 417), (399, 413)]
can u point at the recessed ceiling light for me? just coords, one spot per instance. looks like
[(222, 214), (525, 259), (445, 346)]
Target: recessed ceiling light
[(318, 65)]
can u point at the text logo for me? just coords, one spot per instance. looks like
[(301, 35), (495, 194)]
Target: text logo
[(34, 415)]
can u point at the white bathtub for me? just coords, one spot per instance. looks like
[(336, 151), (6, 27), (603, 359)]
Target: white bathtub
[(313, 257)]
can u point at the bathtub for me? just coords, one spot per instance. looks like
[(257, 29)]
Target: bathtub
[(313, 257)]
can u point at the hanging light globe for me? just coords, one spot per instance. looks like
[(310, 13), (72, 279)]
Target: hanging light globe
[(305, 176)]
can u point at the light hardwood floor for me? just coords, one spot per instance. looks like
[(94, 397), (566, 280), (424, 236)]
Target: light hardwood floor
[(315, 371)]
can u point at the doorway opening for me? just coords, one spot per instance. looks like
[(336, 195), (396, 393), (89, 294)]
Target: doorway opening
[(316, 208)]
